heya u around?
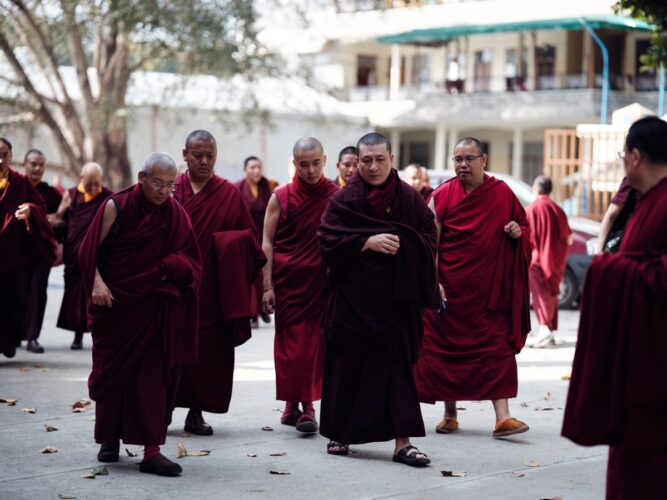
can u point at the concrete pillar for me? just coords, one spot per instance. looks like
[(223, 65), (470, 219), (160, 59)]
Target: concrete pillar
[(517, 153), (440, 160), (395, 139), (395, 72), (452, 139)]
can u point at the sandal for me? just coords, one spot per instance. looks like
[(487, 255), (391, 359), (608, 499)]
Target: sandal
[(336, 448), (408, 455)]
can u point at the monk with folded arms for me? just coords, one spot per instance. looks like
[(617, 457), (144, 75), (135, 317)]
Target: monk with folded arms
[(26, 240), (379, 241), (76, 211), (141, 264), (223, 226), (295, 283), (618, 394), (470, 350)]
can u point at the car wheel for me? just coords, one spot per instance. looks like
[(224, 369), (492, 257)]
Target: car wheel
[(569, 291)]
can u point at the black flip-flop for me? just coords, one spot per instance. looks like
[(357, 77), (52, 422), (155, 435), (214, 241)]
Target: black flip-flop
[(405, 457)]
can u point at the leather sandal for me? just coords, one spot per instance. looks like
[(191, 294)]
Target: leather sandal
[(447, 425), (410, 455)]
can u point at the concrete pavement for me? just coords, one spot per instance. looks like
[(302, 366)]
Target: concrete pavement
[(51, 382)]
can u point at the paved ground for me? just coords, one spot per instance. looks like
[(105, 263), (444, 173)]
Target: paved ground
[(51, 382)]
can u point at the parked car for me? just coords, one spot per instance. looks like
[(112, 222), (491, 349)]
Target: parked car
[(584, 233)]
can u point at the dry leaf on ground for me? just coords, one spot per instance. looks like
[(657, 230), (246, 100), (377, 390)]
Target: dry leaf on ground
[(460, 408), (29, 410), (531, 463), (278, 454), (88, 475), (548, 396), (43, 369), (252, 455), (82, 403), (517, 474), (449, 473), (280, 472), (277, 409), (78, 410), (524, 405), (129, 453), (544, 408), (49, 449), (49, 428), (180, 450), (65, 497), (267, 428), (25, 369), (183, 452), (10, 402)]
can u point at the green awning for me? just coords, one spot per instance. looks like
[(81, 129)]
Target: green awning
[(439, 36)]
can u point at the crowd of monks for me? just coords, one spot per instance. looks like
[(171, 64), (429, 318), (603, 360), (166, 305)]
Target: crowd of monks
[(386, 294)]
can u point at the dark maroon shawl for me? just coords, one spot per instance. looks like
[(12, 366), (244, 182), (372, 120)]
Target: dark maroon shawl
[(151, 263), (257, 206), (376, 294), (50, 195)]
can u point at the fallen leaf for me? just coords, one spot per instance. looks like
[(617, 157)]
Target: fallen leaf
[(181, 451), (29, 410), (566, 377), (129, 453), (50, 428), (277, 409), (449, 473), (82, 403), (78, 410), (10, 402), (25, 369), (44, 370), (548, 396), (252, 455), (88, 475), (524, 405), (66, 497), (49, 449), (517, 474), (278, 454), (460, 408), (280, 472), (544, 408), (101, 470), (267, 428), (531, 463)]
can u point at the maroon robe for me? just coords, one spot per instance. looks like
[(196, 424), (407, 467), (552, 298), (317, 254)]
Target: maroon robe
[(215, 210), (79, 215), (373, 321), (618, 394), (257, 206), (299, 277), (426, 192), (549, 233), (22, 244), (469, 353), (151, 263)]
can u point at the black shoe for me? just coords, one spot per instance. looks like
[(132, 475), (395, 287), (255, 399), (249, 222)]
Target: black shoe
[(108, 452), (10, 352), (34, 346), (195, 424), (161, 466), (266, 318), (254, 324), (76, 346)]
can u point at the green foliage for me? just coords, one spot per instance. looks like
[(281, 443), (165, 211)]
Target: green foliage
[(654, 12)]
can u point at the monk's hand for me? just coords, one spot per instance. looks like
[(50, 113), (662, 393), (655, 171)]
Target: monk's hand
[(513, 230), (101, 294), (269, 301), (383, 243), (442, 293), (23, 212)]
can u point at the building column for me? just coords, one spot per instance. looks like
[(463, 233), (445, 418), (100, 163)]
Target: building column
[(395, 139), (395, 72), (452, 139), (517, 153), (440, 160)]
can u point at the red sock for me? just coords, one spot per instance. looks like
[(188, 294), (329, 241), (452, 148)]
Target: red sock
[(308, 407), (150, 452), (290, 407)]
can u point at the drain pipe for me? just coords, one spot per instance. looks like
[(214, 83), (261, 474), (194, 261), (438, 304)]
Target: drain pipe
[(605, 71)]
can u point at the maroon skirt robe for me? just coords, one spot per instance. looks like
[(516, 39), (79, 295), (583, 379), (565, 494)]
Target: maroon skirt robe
[(469, 353), (151, 263)]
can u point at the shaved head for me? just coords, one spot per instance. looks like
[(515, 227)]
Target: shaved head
[(91, 178), (158, 159), (307, 144), (199, 136), (91, 167)]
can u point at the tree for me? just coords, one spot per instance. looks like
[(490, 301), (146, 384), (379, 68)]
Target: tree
[(105, 41), (654, 12)]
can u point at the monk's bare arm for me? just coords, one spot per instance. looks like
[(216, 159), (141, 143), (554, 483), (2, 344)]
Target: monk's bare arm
[(438, 230), (101, 294), (607, 223), (270, 227), (65, 203)]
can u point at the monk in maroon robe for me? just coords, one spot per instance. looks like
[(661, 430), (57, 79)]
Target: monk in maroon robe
[(550, 237), (379, 242), (216, 210), (76, 211), (412, 174), (483, 256), (141, 263), (256, 191), (295, 282), (618, 394), (39, 270), (26, 238), (346, 166)]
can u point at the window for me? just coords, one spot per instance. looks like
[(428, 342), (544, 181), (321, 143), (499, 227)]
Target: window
[(420, 69), (483, 68), (545, 66), (366, 71)]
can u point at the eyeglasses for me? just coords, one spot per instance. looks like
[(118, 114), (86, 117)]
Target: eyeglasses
[(621, 155), (161, 185), (459, 160)]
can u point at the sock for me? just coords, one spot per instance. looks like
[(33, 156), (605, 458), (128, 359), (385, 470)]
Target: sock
[(290, 407), (151, 452), (308, 407)]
